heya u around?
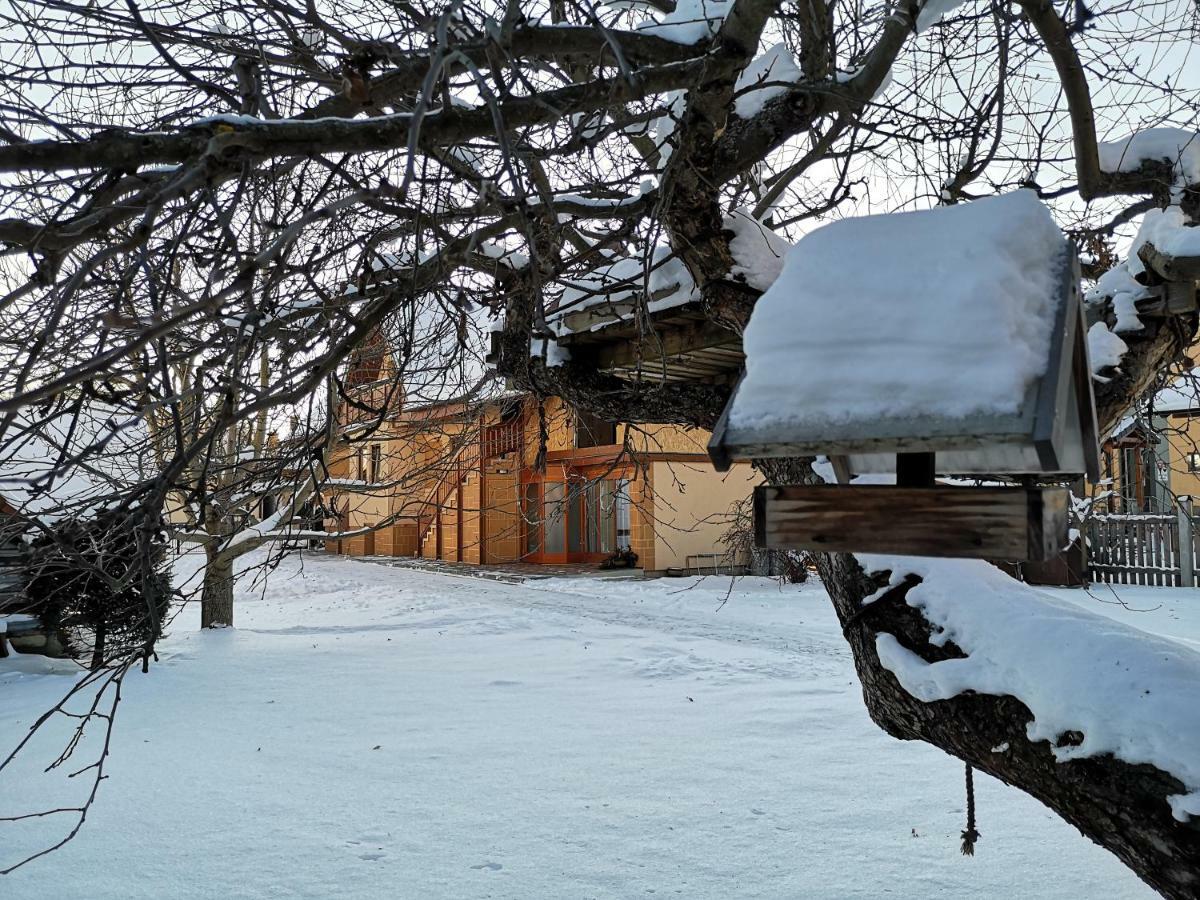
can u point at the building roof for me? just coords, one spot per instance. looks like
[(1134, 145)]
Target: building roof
[(1180, 396)]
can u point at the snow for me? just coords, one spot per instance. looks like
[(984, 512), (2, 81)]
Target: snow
[(623, 281), (550, 350), (663, 126), (1178, 146), (759, 252), (933, 10), (513, 259), (767, 77), (946, 312), (1104, 348), (272, 525), (1125, 292), (1129, 693), (35, 476), (691, 22), (560, 738), (1169, 231)]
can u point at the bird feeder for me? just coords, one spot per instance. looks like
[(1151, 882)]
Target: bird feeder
[(949, 342)]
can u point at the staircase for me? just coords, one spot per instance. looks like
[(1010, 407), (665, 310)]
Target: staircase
[(500, 448)]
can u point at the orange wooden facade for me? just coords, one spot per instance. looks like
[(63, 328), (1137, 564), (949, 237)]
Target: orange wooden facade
[(474, 483)]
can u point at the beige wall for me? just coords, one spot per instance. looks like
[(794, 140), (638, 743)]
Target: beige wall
[(691, 508), (1183, 438)]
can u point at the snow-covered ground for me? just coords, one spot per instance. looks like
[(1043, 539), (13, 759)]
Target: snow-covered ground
[(372, 732)]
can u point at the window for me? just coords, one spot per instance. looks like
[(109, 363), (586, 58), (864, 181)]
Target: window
[(360, 468), (592, 431), (576, 517), (376, 462), (555, 521), (533, 514), (621, 505)]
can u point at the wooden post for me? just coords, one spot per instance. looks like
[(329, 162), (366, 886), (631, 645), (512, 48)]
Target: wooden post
[(1187, 562), (915, 469), (458, 527)]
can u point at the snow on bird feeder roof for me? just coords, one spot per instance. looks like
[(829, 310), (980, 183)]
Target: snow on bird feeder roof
[(956, 330)]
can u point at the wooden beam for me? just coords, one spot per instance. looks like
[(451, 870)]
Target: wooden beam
[(666, 342), (1015, 523)]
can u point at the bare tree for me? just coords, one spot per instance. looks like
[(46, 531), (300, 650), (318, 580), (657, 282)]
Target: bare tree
[(211, 207)]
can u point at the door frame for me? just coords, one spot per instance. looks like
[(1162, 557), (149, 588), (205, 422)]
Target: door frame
[(571, 477)]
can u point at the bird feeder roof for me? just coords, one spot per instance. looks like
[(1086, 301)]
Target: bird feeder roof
[(956, 330)]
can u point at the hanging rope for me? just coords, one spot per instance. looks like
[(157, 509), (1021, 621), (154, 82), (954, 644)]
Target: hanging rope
[(970, 835)]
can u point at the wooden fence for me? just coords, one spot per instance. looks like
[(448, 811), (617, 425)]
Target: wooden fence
[(1143, 548)]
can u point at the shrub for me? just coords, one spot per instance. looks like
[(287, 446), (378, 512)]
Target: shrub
[(102, 584)]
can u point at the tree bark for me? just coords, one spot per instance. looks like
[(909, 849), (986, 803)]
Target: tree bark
[(1118, 805), (216, 596)]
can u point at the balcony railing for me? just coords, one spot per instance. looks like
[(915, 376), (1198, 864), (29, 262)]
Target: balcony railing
[(500, 439)]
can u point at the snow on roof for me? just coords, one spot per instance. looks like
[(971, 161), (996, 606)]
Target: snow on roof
[(758, 251), (1181, 395), (947, 312), (766, 77), (1178, 146), (1129, 693), (616, 287)]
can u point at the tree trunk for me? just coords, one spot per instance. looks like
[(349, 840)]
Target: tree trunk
[(1118, 805), (216, 597), (98, 646)]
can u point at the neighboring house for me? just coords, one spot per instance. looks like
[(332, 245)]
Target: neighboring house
[(1154, 457), (462, 481), (1134, 469), (1176, 420)]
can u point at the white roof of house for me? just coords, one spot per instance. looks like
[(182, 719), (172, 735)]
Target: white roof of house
[(1181, 395)]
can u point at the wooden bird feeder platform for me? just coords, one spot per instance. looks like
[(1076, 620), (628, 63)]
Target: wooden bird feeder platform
[(1050, 437)]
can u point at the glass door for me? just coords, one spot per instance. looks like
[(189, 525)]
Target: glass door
[(531, 513), (554, 522), (621, 507)]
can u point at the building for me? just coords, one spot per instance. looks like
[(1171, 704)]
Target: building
[(472, 482), (1134, 468), (1175, 417), (1152, 458)]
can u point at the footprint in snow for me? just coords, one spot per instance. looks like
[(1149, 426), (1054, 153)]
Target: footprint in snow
[(490, 866)]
